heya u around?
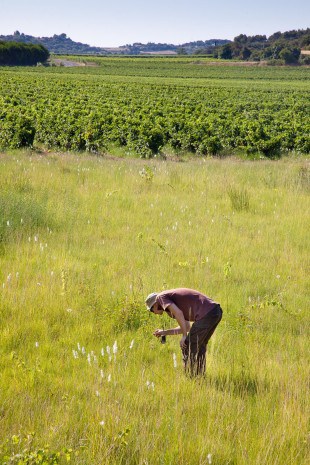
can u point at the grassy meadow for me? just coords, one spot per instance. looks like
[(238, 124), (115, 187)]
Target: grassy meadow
[(83, 240)]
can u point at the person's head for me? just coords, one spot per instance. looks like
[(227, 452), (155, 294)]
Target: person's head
[(152, 305)]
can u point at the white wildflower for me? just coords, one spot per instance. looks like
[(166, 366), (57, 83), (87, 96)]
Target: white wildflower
[(8, 223), (109, 378), (9, 277), (97, 393), (75, 354), (37, 344), (89, 359), (83, 351), (101, 374), (101, 423), (108, 350), (78, 346), (115, 348), (102, 352), (150, 385), (209, 457), (131, 344), (175, 361)]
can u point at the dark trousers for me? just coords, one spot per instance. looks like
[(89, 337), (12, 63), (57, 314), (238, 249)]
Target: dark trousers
[(194, 355)]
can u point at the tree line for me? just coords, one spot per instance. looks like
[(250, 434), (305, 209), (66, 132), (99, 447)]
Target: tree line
[(284, 46), (20, 54)]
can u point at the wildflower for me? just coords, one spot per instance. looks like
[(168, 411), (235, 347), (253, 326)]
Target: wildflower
[(131, 344), (102, 352), (97, 393), (9, 277), (83, 351), (37, 344), (108, 349), (115, 348), (36, 238), (88, 359), (75, 354), (69, 310), (109, 378), (78, 346), (101, 423), (209, 457), (101, 374), (175, 361), (8, 223)]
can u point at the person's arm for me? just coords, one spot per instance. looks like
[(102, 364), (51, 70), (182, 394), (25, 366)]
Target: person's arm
[(172, 331), (178, 314)]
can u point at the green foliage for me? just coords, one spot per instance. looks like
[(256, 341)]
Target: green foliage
[(20, 54), (279, 46), (20, 450), (149, 108), (240, 199)]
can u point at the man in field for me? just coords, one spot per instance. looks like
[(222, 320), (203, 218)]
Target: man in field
[(186, 306)]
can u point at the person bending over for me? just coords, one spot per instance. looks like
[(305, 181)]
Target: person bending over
[(187, 306)]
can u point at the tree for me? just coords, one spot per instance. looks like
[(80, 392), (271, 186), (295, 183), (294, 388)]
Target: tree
[(290, 56), (226, 52), (21, 54)]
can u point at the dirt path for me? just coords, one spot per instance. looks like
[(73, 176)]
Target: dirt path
[(70, 63)]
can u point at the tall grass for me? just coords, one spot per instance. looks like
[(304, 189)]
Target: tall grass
[(80, 369)]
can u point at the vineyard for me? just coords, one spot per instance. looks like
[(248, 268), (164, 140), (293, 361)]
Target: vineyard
[(145, 106)]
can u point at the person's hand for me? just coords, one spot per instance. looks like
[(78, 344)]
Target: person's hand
[(159, 333), (182, 342)]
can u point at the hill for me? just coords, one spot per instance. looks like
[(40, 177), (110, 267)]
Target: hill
[(61, 44)]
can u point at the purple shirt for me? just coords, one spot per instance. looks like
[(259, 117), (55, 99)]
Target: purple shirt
[(193, 304)]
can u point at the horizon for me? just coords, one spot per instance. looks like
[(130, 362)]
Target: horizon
[(101, 24)]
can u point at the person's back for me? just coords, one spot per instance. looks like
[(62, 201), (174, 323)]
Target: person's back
[(192, 303)]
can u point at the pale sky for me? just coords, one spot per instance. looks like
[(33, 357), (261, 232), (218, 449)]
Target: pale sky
[(112, 23)]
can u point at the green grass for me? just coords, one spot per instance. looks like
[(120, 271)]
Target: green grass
[(97, 235)]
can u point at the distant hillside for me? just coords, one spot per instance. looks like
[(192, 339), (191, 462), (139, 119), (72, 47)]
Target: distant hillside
[(285, 47), (61, 44)]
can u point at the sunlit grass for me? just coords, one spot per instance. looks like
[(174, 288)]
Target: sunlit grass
[(96, 237)]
